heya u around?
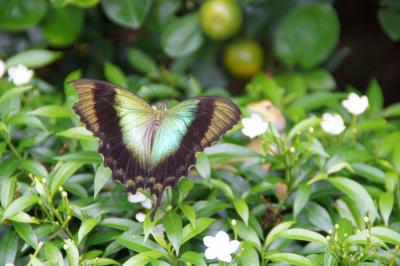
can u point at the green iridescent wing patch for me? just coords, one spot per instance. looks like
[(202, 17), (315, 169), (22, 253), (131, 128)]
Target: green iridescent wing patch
[(148, 147)]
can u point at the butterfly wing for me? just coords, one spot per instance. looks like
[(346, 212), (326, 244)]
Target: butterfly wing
[(187, 128), (123, 122)]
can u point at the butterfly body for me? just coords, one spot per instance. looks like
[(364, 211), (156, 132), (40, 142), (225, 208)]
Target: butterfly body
[(150, 146)]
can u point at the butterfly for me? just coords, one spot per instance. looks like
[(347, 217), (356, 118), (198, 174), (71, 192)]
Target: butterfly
[(150, 146)]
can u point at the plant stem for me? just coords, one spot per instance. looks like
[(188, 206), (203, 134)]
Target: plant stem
[(12, 147), (353, 127)]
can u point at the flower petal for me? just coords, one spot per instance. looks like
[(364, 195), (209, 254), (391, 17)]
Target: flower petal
[(209, 241), (210, 253), (140, 216), (147, 204), (233, 246), (222, 238), (225, 257), (137, 197)]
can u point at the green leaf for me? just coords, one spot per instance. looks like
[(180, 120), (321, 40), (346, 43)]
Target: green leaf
[(316, 100), (292, 259), (23, 217), (390, 22), (356, 193), (372, 173), (319, 79), (81, 157), (248, 233), (19, 204), (72, 253), (229, 150), (7, 191), (293, 44), (71, 96), (391, 180), (103, 174), (189, 212), (173, 228), (184, 187), (190, 231), (318, 216), (115, 75), (242, 209), (34, 167), (85, 228), (83, 4), (304, 125), (35, 58), (61, 173), (25, 13), (396, 158), (26, 120), (276, 230), (53, 254), (317, 148), (392, 111), (8, 246), (143, 258), (26, 233), (127, 13), (9, 94), (182, 36), (191, 257), (301, 199), (63, 26), (203, 166), (160, 91), (53, 111), (101, 261), (161, 13), (261, 84), (137, 244), (375, 96), (376, 124), (118, 223), (386, 201), (216, 183), (142, 62), (387, 235), (249, 255), (304, 235), (80, 133), (257, 189), (35, 261)]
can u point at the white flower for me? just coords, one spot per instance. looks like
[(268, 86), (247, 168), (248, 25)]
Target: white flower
[(220, 247), (9, 264), (2, 68), (20, 74), (140, 216), (332, 124), (254, 126), (355, 104), (159, 229), (140, 198)]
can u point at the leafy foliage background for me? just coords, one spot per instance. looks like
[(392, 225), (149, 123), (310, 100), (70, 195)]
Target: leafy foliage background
[(59, 206)]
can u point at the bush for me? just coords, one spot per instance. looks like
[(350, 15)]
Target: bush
[(308, 177)]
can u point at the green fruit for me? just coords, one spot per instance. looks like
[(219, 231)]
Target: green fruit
[(220, 19), (243, 58)]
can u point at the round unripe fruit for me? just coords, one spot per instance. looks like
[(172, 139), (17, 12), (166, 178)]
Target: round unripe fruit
[(220, 19), (243, 58)]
